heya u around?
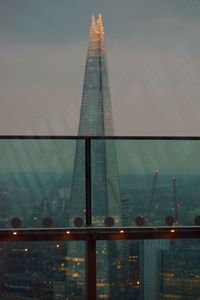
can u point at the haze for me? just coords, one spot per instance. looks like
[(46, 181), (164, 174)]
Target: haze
[(153, 56)]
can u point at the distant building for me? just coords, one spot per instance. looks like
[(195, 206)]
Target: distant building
[(149, 267)]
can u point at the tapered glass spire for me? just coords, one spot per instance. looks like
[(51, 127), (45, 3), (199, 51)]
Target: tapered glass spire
[(96, 120), (96, 113)]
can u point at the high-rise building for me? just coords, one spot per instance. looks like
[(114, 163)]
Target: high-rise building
[(96, 120), (149, 250)]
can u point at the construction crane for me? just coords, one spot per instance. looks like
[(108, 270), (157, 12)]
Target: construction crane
[(173, 220), (170, 220), (153, 189), (141, 219), (176, 204)]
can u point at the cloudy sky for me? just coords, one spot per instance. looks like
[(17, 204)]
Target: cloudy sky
[(153, 55)]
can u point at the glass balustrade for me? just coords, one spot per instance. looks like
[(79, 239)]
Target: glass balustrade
[(115, 218)]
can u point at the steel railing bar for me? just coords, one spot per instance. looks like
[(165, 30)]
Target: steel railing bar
[(104, 233)]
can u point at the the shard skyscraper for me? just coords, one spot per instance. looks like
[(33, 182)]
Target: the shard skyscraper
[(96, 120)]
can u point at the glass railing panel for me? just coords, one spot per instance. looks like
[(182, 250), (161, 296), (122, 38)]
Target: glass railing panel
[(148, 269), (146, 182), (36, 180), (42, 270), (105, 182)]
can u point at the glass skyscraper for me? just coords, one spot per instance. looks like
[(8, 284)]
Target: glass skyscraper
[(96, 120)]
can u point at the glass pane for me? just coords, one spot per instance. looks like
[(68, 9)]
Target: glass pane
[(42, 270), (147, 182), (105, 182), (180, 272), (111, 269), (36, 177), (148, 269)]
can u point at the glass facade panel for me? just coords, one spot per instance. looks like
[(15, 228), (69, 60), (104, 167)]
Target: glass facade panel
[(35, 182)]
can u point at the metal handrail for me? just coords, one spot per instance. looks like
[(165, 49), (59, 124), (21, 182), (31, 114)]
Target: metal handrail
[(100, 233)]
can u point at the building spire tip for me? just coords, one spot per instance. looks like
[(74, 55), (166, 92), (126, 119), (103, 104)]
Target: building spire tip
[(96, 32), (100, 25)]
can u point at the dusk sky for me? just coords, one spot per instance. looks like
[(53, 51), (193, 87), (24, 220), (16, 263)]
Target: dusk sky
[(153, 56)]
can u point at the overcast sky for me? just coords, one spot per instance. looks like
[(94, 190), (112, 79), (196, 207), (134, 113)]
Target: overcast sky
[(153, 55)]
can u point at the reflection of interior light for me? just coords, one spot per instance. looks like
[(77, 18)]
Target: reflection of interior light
[(75, 259), (172, 230), (57, 246), (67, 232), (138, 282), (14, 233), (26, 250), (75, 274), (102, 284), (103, 296), (121, 231)]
